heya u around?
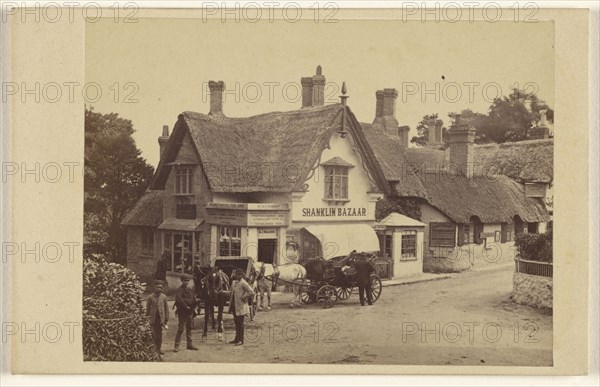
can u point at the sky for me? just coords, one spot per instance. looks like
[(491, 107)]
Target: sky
[(151, 71)]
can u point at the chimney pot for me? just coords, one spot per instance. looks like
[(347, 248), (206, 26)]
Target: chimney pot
[(313, 89), (385, 111), (216, 97), (163, 140)]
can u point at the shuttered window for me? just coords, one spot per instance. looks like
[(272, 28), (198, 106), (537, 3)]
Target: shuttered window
[(442, 234)]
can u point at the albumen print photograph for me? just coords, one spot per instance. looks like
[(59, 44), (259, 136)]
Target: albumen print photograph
[(358, 192)]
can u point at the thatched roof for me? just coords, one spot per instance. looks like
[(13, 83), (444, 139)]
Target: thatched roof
[(523, 161), (273, 152), (389, 153), (492, 199), (148, 211)]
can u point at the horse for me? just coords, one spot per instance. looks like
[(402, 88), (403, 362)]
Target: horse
[(214, 290), (289, 273)]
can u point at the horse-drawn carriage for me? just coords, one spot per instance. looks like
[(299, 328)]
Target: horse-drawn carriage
[(328, 281)]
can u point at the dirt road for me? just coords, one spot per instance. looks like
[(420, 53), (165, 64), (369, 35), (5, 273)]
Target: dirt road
[(465, 320)]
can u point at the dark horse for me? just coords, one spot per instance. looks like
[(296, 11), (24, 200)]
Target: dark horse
[(214, 291)]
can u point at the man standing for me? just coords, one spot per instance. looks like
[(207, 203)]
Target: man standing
[(161, 269), (185, 301), (241, 292), (364, 268), (157, 311)]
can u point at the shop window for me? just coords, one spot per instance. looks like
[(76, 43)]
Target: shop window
[(179, 246), (409, 246), (442, 234), (183, 180), (148, 243), (230, 241), (336, 182)]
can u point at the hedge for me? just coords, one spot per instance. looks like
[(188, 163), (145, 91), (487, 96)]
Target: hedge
[(115, 327), (535, 247)]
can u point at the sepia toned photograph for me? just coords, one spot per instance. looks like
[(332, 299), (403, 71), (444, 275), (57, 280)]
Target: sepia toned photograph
[(357, 192)]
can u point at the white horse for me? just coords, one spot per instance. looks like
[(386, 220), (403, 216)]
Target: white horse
[(291, 273)]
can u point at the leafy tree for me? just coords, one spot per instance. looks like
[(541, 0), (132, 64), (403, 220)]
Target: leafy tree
[(509, 119), (423, 130), (115, 177)]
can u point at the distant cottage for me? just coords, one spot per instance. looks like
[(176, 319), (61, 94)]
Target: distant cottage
[(288, 186)]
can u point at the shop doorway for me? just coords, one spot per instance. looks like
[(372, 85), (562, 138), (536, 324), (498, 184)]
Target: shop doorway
[(266, 250)]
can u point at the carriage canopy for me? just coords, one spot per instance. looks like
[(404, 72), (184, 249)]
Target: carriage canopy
[(342, 239)]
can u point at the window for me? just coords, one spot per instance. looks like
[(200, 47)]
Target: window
[(388, 246), (409, 245), (183, 180), (507, 231), (532, 228), (442, 235), (148, 243), (185, 211), (336, 182), (468, 233), (180, 249), (230, 241)]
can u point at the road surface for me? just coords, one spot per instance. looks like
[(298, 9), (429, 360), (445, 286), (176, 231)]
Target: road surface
[(468, 319)]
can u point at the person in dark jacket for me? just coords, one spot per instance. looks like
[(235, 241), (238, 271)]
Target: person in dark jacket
[(364, 268), (185, 302), (157, 311), (161, 270)]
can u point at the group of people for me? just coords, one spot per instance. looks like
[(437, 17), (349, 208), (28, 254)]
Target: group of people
[(241, 294), (157, 309)]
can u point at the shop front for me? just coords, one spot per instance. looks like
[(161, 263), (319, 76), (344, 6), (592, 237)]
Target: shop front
[(255, 230)]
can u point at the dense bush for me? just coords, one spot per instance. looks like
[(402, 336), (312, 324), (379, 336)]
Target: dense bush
[(115, 327), (535, 247)]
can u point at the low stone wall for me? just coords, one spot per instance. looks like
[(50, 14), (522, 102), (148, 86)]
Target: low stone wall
[(445, 265), (460, 258), (532, 290)]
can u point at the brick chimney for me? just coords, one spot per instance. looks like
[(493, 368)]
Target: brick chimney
[(385, 111), (541, 130), (313, 89), (461, 140), (403, 134), (162, 140), (216, 97), (434, 139)]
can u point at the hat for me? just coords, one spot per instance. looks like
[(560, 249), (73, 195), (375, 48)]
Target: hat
[(158, 282), (186, 277)]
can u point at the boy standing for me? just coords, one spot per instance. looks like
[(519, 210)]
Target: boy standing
[(157, 311)]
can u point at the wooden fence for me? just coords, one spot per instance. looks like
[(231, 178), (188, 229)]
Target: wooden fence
[(542, 269)]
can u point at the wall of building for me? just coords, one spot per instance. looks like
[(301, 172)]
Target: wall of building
[(460, 258), (403, 268), (200, 189), (143, 265), (359, 186)]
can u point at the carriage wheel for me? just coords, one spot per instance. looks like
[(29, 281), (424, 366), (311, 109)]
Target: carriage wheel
[(308, 297), (327, 296), (376, 287), (343, 293)]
